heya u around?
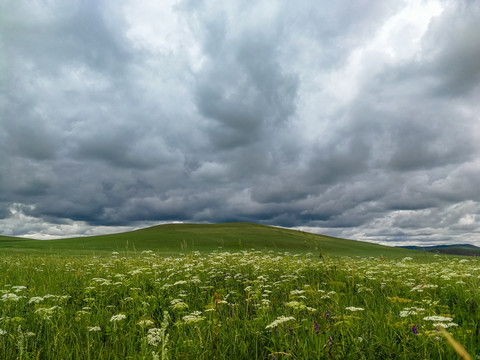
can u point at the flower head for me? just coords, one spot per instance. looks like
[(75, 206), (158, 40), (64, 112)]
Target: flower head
[(353, 308), (154, 336), (118, 317), (279, 320)]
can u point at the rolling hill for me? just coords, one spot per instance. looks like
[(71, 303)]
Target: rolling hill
[(457, 249), (176, 238)]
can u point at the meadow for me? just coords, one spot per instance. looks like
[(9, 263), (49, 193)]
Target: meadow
[(246, 304)]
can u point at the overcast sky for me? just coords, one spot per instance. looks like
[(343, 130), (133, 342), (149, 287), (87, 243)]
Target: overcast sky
[(358, 119)]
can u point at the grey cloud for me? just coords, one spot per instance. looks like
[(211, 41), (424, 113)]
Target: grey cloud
[(123, 148), (428, 141), (28, 137), (244, 104), (459, 184), (452, 48), (336, 27), (242, 87), (335, 160), (4, 211), (57, 34)]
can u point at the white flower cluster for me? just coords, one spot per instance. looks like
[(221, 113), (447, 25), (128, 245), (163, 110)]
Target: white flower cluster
[(10, 297), (353, 308), (193, 317), (35, 300), (411, 311), (145, 322), (154, 336), (447, 325), (280, 320), (438, 318), (118, 317), (178, 304), (296, 305), (421, 287), (46, 313), (297, 292)]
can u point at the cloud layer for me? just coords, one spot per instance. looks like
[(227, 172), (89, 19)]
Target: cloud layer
[(355, 120)]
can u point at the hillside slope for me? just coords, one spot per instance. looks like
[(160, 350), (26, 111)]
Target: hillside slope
[(7, 239), (175, 238), (457, 249)]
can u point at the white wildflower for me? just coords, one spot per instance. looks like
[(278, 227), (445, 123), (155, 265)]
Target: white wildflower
[(19, 288), (279, 320), (180, 305), (154, 336), (411, 311), (450, 324), (420, 288), (10, 297), (353, 308), (118, 317), (438, 318), (405, 313), (296, 305), (47, 312), (35, 300), (297, 292), (193, 317), (145, 322)]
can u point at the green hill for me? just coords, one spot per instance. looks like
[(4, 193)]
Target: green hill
[(456, 249), (10, 239), (176, 238)]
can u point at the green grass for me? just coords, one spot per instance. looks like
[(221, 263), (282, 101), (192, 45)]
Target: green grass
[(236, 305), (199, 291), (186, 238)]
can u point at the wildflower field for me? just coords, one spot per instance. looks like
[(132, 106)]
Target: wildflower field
[(236, 305)]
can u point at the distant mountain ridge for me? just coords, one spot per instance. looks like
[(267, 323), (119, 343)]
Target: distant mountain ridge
[(456, 249)]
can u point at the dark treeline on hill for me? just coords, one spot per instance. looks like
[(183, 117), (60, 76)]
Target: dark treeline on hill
[(460, 249)]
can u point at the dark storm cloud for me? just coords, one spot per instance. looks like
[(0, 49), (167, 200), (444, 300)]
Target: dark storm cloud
[(452, 46), (325, 116), (243, 88), (56, 33)]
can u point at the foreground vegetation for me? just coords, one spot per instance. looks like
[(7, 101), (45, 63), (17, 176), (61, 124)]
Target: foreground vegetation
[(237, 305)]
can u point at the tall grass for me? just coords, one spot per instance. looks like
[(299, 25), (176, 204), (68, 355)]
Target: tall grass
[(244, 305)]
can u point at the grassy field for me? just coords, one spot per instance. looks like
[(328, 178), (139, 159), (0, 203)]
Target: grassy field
[(348, 301)]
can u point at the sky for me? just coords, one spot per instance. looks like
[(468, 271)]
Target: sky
[(353, 119)]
